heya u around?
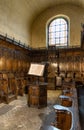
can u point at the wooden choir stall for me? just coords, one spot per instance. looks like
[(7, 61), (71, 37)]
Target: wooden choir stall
[(37, 95)]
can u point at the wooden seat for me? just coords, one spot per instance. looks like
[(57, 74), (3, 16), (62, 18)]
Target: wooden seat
[(67, 92), (63, 119), (21, 82), (12, 90), (3, 90), (8, 89), (65, 101), (59, 82)]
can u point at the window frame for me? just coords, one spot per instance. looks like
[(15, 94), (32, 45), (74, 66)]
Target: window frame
[(48, 25)]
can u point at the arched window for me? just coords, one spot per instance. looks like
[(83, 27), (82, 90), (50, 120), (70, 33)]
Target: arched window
[(58, 32)]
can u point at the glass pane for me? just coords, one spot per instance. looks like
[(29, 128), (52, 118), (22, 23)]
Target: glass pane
[(57, 40), (58, 32)]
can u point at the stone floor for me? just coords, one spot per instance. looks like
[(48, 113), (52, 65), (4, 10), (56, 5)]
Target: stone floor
[(18, 116)]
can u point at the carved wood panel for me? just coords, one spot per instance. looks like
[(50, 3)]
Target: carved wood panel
[(12, 60)]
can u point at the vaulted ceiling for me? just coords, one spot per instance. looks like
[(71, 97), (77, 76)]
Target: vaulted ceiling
[(32, 8), (35, 7)]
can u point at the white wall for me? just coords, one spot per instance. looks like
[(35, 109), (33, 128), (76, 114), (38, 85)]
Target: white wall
[(14, 20)]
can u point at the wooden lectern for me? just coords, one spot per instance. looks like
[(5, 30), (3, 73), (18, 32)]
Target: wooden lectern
[(37, 96)]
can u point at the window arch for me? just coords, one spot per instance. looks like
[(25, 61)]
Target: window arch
[(58, 32)]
